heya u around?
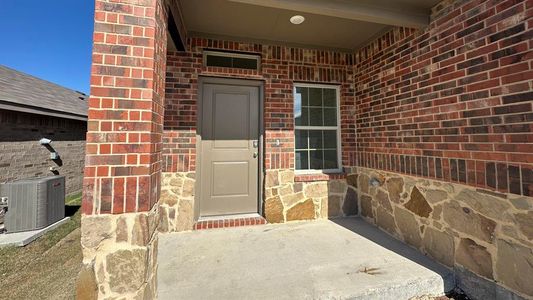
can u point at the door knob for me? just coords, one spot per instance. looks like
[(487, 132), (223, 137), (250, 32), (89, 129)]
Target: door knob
[(255, 154)]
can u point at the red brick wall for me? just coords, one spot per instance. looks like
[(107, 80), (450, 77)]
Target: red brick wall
[(453, 101), (124, 138), (280, 68)]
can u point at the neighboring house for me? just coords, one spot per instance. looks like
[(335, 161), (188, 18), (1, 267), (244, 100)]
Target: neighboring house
[(32, 109), (416, 115)]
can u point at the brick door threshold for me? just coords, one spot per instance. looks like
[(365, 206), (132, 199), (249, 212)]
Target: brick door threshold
[(229, 221)]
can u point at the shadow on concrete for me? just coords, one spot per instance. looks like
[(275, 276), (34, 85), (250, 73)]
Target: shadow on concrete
[(358, 226)]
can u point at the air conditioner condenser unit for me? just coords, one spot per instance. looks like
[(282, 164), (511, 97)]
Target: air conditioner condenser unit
[(33, 203)]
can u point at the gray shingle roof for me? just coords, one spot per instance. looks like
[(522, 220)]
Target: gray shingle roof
[(23, 92)]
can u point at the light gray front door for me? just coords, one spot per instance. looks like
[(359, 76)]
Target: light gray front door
[(229, 149)]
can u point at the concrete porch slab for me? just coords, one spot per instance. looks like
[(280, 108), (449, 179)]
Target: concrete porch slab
[(340, 259)]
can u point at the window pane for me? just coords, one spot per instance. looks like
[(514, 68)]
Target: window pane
[(330, 159), (315, 97), (330, 117), (330, 139), (245, 63), (316, 159), (303, 92), (297, 106), (315, 139), (315, 116), (302, 117), (219, 61), (330, 98), (302, 160), (301, 139), (301, 113)]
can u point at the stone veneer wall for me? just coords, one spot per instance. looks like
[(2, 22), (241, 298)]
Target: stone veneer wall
[(177, 201), (286, 199), (290, 200), (485, 236), (119, 256)]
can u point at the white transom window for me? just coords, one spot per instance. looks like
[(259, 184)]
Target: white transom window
[(317, 128)]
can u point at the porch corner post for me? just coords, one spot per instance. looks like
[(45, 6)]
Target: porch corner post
[(124, 142)]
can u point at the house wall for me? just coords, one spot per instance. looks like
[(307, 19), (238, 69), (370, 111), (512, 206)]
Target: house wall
[(440, 117), (287, 197), (444, 123), (21, 155), (123, 164), (454, 101), (456, 97)]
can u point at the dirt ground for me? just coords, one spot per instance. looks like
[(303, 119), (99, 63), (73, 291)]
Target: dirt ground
[(48, 267)]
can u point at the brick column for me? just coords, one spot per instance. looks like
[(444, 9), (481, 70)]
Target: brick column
[(123, 161)]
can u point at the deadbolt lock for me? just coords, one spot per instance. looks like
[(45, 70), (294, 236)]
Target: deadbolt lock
[(255, 144)]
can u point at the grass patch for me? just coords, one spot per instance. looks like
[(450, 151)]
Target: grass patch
[(73, 199), (48, 267)]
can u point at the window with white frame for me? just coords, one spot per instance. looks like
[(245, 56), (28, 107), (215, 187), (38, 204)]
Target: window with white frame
[(317, 128)]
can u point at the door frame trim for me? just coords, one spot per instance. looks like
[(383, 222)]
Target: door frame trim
[(199, 104)]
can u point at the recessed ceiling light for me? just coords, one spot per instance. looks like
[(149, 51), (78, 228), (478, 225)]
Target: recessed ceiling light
[(297, 20)]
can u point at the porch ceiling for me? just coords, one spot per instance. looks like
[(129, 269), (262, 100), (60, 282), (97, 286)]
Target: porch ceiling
[(332, 24)]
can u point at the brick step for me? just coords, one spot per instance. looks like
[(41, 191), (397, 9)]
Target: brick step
[(229, 221)]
